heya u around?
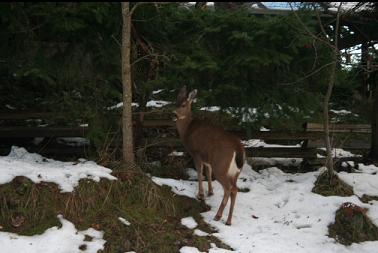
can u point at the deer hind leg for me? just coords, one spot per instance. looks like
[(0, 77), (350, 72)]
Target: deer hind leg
[(226, 196), (199, 167), (209, 180), (234, 192)]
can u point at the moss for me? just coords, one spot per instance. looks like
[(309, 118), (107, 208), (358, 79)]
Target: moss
[(334, 187), (154, 212), (367, 198), (352, 225)]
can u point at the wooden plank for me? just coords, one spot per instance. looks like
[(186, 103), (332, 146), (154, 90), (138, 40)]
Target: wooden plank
[(340, 128), (282, 152), (29, 132), (29, 115), (265, 135), (253, 151), (350, 144), (283, 12), (157, 123), (283, 135)]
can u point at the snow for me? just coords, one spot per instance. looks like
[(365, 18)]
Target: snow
[(157, 91), (176, 153), (210, 108), (339, 152), (157, 103), (187, 249), (189, 222), (39, 169), (280, 213), (260, 143), (73, 141), (199, 232), (214, 249), (124, 221), (364, 181), (54, 240), (120, 105)]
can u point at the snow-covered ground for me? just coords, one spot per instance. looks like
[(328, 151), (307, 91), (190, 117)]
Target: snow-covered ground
[(66, 239), (39, 169), (280, 213)]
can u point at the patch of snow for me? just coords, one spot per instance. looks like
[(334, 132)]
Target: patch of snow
[(199, 232), (157, 103), (10, 107), (213, 249), (19, 162), (120, 105), (73, 141), (175, 153), (124, 221), (279, 208), (189, 222), (261, 143), (38, 140), (210, 108), (192, 173), (187, 249), (263, 129), (364, 181), (157, 91), (339, 152), (54, 240), (341, 112), (275, 161)]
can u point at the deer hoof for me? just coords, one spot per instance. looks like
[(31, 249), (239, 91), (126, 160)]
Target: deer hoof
[(200, 196), (210, 193), (217, 217), (228, 223)]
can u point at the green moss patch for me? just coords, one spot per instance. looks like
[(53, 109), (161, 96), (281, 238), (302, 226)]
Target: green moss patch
[(334, 187), (154, 212), (352, 225)]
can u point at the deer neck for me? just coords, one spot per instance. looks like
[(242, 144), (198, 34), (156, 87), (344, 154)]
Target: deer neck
[(182, 125)]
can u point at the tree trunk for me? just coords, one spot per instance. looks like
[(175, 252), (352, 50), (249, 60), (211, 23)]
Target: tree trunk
[(331, 83), (374, 122), (329, 160), (127, 123)]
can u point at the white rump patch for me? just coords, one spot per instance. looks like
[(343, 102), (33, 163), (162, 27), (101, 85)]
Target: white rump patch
[(233, 169)]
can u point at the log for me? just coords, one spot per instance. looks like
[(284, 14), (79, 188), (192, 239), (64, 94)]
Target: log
[(30, 132)]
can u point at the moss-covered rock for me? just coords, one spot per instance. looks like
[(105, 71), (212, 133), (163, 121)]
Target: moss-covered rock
[(334, 187), (352, 225)]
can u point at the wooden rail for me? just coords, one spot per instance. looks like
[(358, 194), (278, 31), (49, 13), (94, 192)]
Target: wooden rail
[(30, 132), (339, 128)]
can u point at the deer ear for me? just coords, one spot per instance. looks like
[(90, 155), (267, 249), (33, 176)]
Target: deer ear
[(181, 97), (192, 95)]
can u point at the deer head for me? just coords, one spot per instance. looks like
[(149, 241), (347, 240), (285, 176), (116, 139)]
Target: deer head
[(184, 103)]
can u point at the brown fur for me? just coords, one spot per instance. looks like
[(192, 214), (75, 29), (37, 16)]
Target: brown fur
[(210, 145)]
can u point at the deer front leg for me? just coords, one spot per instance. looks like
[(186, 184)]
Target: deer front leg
[(199, 167), (209, 180)]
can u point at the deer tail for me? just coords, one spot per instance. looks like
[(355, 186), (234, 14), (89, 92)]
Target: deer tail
[(240, 156)]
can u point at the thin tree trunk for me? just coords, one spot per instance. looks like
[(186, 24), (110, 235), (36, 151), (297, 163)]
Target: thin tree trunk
[(329, 159), (374, 123), (127, 123), (331, 83)]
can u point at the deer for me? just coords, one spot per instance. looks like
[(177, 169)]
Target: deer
[(221, 152)]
